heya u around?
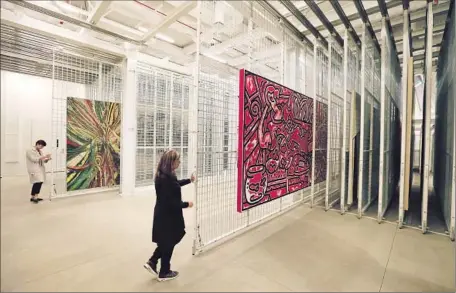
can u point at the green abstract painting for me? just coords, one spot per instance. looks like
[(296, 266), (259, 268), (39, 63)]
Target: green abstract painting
[(93, 144)]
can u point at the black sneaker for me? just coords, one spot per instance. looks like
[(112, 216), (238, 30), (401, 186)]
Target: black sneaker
[(151, 268), (34, 200), (167, 277), (39, 199)]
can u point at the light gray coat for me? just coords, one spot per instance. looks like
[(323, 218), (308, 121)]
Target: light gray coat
[(35, 166)]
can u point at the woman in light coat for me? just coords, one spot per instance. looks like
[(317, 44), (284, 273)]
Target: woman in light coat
[(35, 167)]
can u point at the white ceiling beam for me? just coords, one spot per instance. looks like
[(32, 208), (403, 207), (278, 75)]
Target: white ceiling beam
[(421, 32), (99, 11), (174, 51), (190, 49), (273, 51), (170, 49), (416, 15), (65, 35), (419, 43), (164, 64), (170, 19), (242, 38), (38, 26), (206, 36)]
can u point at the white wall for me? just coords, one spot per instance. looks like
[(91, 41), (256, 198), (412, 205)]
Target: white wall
[(26, 116)]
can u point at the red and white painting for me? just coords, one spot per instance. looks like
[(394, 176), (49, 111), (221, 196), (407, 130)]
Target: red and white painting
[(275, 141)]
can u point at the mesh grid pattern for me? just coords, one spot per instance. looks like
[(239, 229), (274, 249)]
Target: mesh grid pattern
[(162, 119), (322, 95), (445, 156), (253, 39), (335, 133), (79, 77), (390, 142), (352, 63), (370, 96)]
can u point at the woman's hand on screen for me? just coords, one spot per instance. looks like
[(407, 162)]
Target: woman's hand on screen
[(190, 204), (193, 178)]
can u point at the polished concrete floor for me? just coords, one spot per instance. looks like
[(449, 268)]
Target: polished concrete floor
[(99, 243)]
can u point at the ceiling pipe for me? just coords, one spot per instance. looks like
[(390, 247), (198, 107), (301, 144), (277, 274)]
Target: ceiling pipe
[(317, 11), (296, 13)]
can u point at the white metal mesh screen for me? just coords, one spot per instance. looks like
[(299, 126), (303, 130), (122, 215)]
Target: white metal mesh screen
[(375, 131), (320, 151), (251, 38), (351, 84), (294, 77), (162, 119), (390, 137), (445, 136), (78, 77), (335, 126), (367, 109)]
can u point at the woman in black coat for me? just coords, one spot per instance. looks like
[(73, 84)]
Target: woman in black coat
[(169, 226)]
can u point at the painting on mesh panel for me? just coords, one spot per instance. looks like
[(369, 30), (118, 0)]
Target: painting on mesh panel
[(93, 144), (321, 141), (275, 141)]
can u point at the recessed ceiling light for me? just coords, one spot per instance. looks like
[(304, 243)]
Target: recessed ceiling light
[(215, 58), (143, 29), (164, 38)]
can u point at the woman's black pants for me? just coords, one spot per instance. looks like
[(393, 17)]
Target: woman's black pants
[(36, 188), (164, 253)]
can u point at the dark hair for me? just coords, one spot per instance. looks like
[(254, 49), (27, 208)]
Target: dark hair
[(41, 142), (165, 165)]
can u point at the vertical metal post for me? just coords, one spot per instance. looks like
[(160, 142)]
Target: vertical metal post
[(303, 53), (249, 30), (282, 79), (100, 81), (182, 127), (453, 188), (171, 97), (344, 129), (314, 128), (405, 115), (427, 118), (155, 120), (129, 125), (249, 65), (361, 144), (193, 125), (353, 119), (54, 143), (371, 136), (383, 122), (329, 135)]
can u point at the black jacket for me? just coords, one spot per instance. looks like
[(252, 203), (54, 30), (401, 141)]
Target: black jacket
[(169, 226)]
